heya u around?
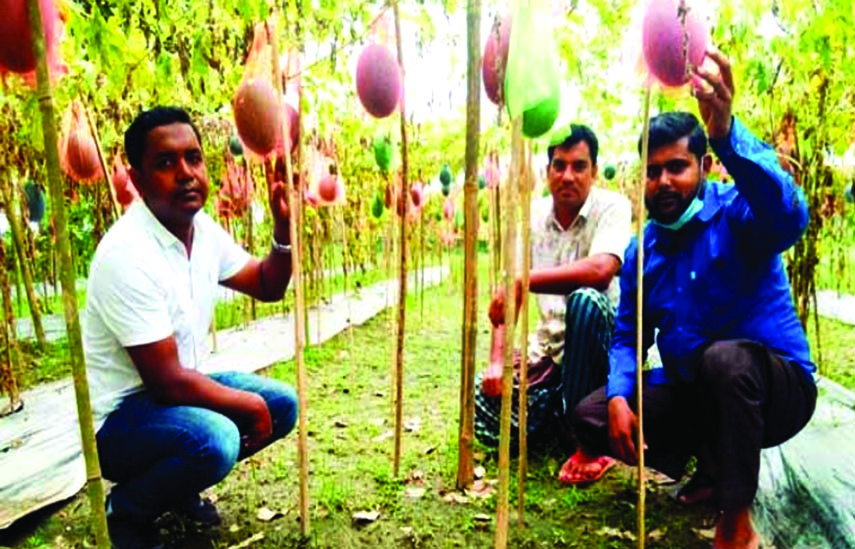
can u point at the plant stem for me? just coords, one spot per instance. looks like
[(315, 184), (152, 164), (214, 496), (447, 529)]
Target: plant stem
[(67, 278)]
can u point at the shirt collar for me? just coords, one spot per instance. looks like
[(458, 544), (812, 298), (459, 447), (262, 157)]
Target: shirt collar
[(584, 212), (712, 204), (165, 238)]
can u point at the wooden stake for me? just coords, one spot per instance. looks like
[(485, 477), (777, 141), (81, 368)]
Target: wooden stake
[(69, 293), (17, 228), (525, 204), (295, 198), (509, 283), (465, 448), (402, 286), (639, 443), (347, 297), (8, 379), (117, 211)]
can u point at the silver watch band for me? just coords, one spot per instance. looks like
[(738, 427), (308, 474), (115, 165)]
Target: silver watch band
[(281, 248)]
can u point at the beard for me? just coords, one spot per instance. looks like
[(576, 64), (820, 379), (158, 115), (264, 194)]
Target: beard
[(667, 206)]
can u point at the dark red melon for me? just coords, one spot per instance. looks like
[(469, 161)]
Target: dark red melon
[(258, 116), (496, 59), (378, 80), (16, 39)]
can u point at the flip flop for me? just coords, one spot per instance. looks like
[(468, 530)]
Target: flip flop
[(579, 458)]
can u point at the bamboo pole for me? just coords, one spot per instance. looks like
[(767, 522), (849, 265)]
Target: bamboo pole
[(402, 286), (117, 211), (422, 264), (295, 198), (639, 306), (509, 283), (351, 351), (465, 451), (67, 278), (8, 381), (525, 204), (17, 230)]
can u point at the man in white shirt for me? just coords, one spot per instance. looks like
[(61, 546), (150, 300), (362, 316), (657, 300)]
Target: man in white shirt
[(578, 236), (165, 429)]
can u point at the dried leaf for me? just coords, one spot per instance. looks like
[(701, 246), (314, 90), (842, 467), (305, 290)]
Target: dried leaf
[(248, 541), (481, 489), (380, 394), (610, 532), (407, 530), (656, 535), (234, 528), (413, 425), (480, 472), (266, 515), (479, 456), (705, 534), (386, 435), (481, 517), (365, 517), (416, 476), (454, 497), (378, 421), (429, 450), (340, 424), (414, 492)]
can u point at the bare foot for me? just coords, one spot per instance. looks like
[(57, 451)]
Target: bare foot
[(734, 531), (582, 469)]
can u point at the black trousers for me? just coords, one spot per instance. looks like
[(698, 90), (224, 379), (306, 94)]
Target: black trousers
[(744, 398)]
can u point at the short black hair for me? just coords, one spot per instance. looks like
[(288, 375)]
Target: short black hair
[(137, 132), (666, 128), (578, 133)]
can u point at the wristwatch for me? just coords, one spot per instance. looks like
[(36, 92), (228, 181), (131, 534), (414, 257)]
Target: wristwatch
[(281, 248)]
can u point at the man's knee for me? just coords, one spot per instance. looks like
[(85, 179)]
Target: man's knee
[(591, 412), (585, 302), (213, 449), (284, 410), (725, 363)]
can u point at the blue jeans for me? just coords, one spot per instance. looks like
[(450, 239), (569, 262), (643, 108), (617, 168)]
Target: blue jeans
[(160, 456)]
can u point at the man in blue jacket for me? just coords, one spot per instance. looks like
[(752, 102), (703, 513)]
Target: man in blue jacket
[(737, 374)]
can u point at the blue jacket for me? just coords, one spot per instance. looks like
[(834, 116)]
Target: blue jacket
[(721, 276)]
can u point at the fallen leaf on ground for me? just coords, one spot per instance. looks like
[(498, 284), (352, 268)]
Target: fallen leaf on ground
[(340, 424), (705, 534), (429, 450), (407, 530), (234, 528), (480, 489), (481, 517), (266, 515), (479, 472), (610, 532), (378, 421), (248, 541), (365, 517), (384, 436), (454, 497), (379, 394), (479, 456), (656, 535), (414, 492), (416, 476), (413, 424)]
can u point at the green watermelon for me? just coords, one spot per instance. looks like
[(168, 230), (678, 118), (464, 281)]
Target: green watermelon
[(610, 172), (445, 175), (482, 182), (539, 119), (446, 190), (383, 152), (235, 146), (377, 207), (35, 201)]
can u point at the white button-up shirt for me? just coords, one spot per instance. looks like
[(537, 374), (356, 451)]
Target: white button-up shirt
[(143, 288)]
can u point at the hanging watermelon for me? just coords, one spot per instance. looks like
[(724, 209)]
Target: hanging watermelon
[(445, 175), (610, 172), (383, 152), (35, 201), (377, 207), (235, 146), (482, 182)]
